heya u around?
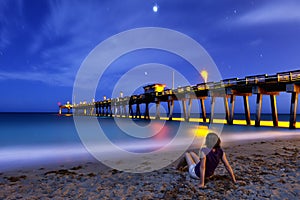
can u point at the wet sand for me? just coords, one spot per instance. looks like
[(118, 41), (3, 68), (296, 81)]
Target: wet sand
[(264, 169)]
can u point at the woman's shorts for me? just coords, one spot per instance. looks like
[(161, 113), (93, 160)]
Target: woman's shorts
[(192, 171)]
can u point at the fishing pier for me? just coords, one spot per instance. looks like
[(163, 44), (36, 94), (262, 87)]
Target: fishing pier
[(227, 89)]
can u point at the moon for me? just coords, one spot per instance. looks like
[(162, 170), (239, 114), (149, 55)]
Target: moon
[(155, 8)]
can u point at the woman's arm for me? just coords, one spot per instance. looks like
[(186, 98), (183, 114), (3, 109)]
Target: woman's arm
[(202, 171), (228, 167)]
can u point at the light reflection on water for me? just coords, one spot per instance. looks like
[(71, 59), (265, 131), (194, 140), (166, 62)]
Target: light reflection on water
[(48, 139)]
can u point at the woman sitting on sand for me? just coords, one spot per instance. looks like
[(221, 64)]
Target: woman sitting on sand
[(210, 157)]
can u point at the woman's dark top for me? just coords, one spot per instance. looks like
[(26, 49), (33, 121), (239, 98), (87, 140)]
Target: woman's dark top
[(212, 161)]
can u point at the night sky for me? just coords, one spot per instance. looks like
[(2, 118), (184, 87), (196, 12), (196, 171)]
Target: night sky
[(43, 43)]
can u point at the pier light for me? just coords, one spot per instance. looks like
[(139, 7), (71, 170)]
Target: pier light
[(104, 97), (68, 102), (204, 75), (121, 94), (159, 87), (154, 88)]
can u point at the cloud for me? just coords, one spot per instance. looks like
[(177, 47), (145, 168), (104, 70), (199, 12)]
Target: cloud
[(256, 42), (61, 79), (273, 12), (4, 35), (8, 22), (67, 35), (4, 38), (55, 48)]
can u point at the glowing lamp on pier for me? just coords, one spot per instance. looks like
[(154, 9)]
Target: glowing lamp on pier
[(104, 97), (121, 94), (204, 75)]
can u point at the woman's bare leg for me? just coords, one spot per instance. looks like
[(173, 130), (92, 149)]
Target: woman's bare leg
[(189, 159), (195, 157)]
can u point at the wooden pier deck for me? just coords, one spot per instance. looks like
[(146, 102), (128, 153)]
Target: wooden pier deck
[(227, 89)]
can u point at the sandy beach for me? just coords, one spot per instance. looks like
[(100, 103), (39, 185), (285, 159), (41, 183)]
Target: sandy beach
[(264, 169)]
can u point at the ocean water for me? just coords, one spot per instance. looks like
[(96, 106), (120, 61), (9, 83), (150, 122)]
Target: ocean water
[(41, 139)]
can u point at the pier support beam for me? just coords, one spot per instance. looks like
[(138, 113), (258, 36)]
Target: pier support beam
[(247, 110), (226, 110), (120, 110), (138, 111), (189, 109), (102, 110), (212, 110), (147, 115), (92, 111), (124, 110), (203, 109), (106, 110), (293, 110), (131, 110), (258, 109), (114, 110), (232, 103), (184, 109), (274, 110), (157, 116), (171, 108), (97, 110), (110, 111)]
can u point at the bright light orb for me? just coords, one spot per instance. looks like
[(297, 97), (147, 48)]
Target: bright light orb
[(155, 8)]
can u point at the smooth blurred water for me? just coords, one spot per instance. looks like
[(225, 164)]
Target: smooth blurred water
[(35, 139), (28, 139)]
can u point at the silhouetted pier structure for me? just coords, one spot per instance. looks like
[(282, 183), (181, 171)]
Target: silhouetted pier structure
[(67, 107), (227, 89)]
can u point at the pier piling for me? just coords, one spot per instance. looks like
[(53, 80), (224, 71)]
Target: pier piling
[(203, 109), (247, 110), (184, 109), (227, 113), (232, 103), (258, 109), (274, 110), (212, 109), (171, 105), (293, 110), (189, 109), (157, 110)]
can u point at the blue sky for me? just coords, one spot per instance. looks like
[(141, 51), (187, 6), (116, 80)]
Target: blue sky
[(43, 43)]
